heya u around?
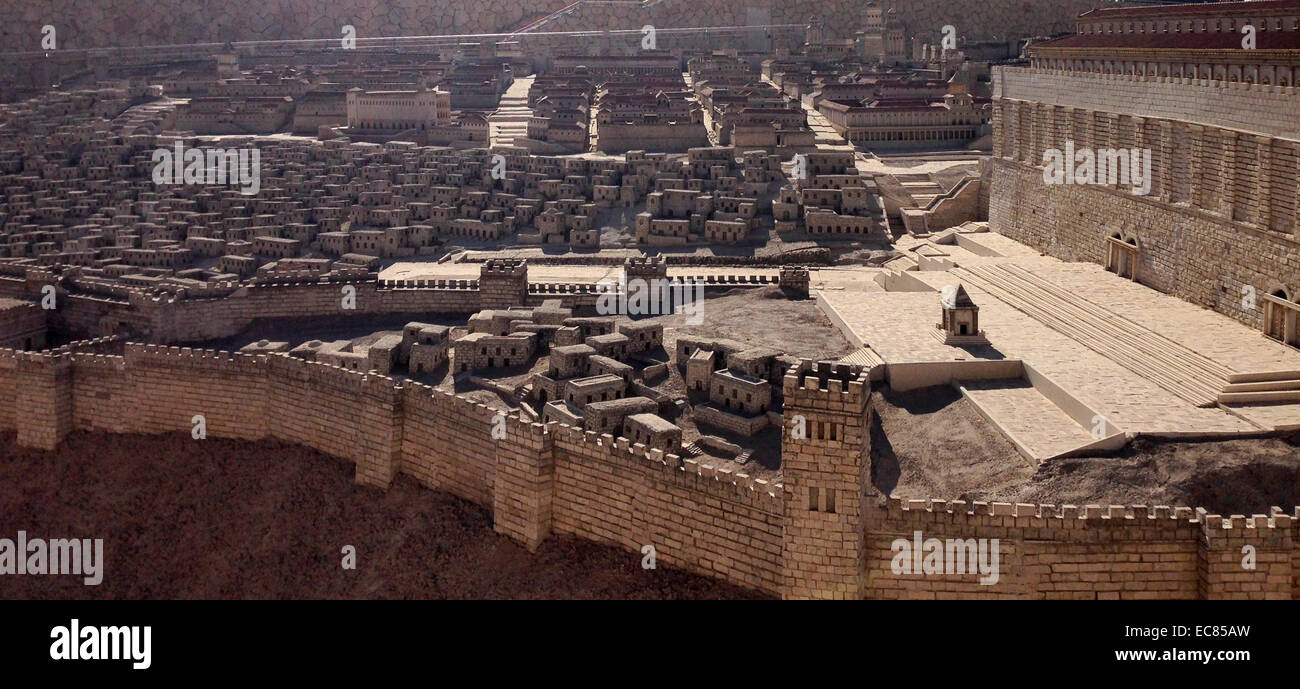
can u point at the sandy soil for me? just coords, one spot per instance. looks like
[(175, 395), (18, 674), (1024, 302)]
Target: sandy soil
[(763, 317), (1230, 477), (228, 519), (932, 444)]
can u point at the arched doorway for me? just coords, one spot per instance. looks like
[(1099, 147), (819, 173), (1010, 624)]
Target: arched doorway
[(1122, 256), (1280, 319), (1276, 327)]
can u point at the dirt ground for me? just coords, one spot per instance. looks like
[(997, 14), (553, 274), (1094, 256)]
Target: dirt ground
[(228, 519), (932, 444), (763, 317)]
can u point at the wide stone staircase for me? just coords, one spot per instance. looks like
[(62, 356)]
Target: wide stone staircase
[(510, 120), (1261, 388), (1166, 363)]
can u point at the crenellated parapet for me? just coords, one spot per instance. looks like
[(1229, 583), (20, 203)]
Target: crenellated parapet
[(828, 386), (813, 532), (1082, 551), (795, 278)]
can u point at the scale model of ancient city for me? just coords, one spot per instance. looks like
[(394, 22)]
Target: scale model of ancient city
[(653, 299)]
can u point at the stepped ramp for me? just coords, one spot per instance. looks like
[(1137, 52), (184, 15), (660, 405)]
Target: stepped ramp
[(1037, 428), (1166, 363)]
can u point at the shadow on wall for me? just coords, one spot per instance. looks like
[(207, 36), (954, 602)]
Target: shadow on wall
[(885, 471)]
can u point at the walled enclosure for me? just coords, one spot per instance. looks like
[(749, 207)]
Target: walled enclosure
[(1221, 214), (541, 480), (226, 309)]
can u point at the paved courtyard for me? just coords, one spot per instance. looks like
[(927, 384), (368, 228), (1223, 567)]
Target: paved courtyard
[(1149, 363)]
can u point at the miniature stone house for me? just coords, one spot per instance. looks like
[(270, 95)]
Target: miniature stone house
[(342, 354), (569, 361), (642, 337), (481, 350), (383, 353), (699, 369), (566, 362), (560, 411), (738, 393), (607, 417), (424, 346), (654, 432), (598, 364), (600, 388), (589, 327), (613, 345)]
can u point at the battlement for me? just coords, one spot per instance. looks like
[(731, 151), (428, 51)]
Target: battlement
[(139, 354), (504, 267), (795, 278), (739, 484), (429, 284), (645, 261), (826, 385), (645, 268), (97, 345), (725, 280), (301, 278), (563, 288)]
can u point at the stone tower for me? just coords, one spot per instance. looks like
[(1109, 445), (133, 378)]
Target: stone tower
[(648, 268), (228, 62), (503, 283), (814, 32), (795, 279), (826, 468)]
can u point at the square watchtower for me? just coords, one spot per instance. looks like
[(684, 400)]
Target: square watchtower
[(502, 283), (825, 462)]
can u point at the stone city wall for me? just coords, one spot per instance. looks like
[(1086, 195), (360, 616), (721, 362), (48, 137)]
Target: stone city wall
[(222, 310), (1115, 552), (554, 479), (180, 317)]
